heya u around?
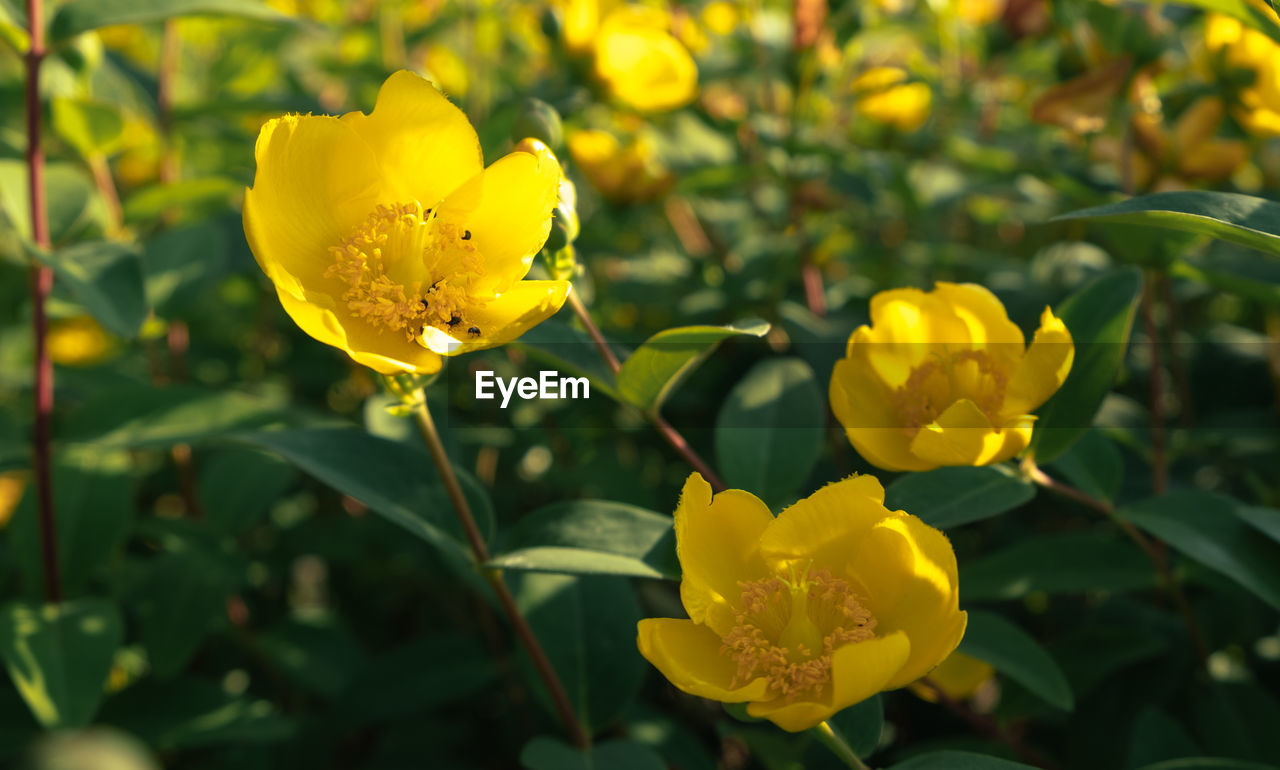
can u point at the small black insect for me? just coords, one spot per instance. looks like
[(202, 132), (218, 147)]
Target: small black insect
[(424, 304), (454, 321), (466, 235), (474, 331)]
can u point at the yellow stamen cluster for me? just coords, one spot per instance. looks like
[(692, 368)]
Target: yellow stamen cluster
[(786, 631), (938, 383), (383, 261)]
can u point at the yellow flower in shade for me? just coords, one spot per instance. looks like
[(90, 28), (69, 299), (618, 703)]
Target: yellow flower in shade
[(79, 341), (885, 97), (945, 378), (800, 616), (1245, 48), (12, 485), (623, 174), (959, 677), (386, 237)]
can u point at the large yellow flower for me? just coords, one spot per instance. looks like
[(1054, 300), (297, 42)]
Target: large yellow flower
[(945, 378), (386, 237), (1246, 48), (801, 616), (636, 57)]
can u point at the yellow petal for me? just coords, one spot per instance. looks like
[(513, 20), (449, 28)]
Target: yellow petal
[(907, 327), (508, 210), (930, 646), (982, 314), (1042, 370), (962, 435), (861, 403), (688, 655), (315, 181), (504, 318), (425, 146), (717, 541), (645, 68), (822, 526), (959, 677), (383, 351)]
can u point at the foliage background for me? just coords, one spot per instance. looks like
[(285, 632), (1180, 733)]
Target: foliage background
[(263, 572)]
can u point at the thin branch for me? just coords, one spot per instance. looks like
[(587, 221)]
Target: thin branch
[(41, 285), (546, 672), (602, 346), (832, 740)]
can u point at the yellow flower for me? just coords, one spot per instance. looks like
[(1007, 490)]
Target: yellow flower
[(960, 677), (636, 57), (386, 237), (979, 12), (79, 341), (1246, 48), (623, 174), (836, 599), (721, 17), (447, 69), (885, 98), (944, 378), (12, 485)]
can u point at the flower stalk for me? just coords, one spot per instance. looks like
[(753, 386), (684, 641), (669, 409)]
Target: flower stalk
[(546, 672), (832, 740), (41, 285)]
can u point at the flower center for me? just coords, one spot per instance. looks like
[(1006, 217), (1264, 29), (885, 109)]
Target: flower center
[(407, 269), (937, 384), (787, 629)]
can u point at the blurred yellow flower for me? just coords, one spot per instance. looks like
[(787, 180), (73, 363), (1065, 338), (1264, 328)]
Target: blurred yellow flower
[(12, 485), (1245, 48), (447, 70), (635, 55), (944, 378), (978, 12), (800, 616), (623, 174), (885, 97), (79, 341), (386, 237), (721, 17), (959, 677)]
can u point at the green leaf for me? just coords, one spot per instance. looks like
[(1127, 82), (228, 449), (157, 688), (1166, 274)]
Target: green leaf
[(1099, 317), (1206, 527), (93, 498), (588, 628), (949, 497), (861, 725), (1013, 652), (958, 760), (571, 351), (59, 655), (551, 754), (650, 373), (140, 417), (179, 264), (1237, 271), (1265, 520), (396, 481), (593, 537), (238, 486), (92, 128), (1242, 219), (72, 202), (190, 713), (105, 277), (1206, 763), (1093, 465), (770, 428), (1069, 562), (190, 196), (83, 15)]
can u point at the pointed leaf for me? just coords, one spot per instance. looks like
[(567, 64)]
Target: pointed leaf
[(650, 373), (1014, 653)]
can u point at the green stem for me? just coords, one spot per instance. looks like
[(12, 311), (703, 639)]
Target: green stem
[(546, 672), (832, 740)]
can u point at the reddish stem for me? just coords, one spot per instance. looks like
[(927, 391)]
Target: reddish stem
[(41, 285)]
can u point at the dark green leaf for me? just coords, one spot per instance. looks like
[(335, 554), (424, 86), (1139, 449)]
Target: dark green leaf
[(949, 497), (83, 15), (237, 487), (958, 760), (552, 754), (593, 537), (650, 373), (588, 628), (59, 655), (1099, 317), (105, 277), (1265, 520), (1239, 272), (1206, 527), (1093, 465), (179, 264), (1242, 219), (191, 713), (1014, 653), (1206, 763), (1073, 562), (861, 725), (769, 431)]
